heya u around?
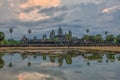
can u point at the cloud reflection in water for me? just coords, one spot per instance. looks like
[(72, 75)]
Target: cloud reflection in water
[(33, 76)]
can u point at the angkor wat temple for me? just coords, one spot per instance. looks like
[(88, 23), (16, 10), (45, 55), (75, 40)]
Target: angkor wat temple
[(54, 39)]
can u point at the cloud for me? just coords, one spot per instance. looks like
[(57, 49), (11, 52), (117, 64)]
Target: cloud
[(11, 3), (31, 9), (24, 76), (44, 15), (111, 9), (32, 16), (116, 18), (98, 2), (43, 3), (0, 3), (53, 10)]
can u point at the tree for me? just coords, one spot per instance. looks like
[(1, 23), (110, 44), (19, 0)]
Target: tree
[(85, 38), (56, 40), (87, 31), (44, 56), (98, 39), (11, 31), (1, 61), (68, 59), (106, 33), (2, 36), (91, 38), (69, 37), (110, 39), (10, 64), (29, 62), (29, 32), (118, 39)]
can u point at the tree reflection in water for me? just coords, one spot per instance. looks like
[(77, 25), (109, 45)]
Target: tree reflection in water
[(61, 59), (88, 63), (1, 61), (29, 62), (44, 56), (10, 64), (111, 57)]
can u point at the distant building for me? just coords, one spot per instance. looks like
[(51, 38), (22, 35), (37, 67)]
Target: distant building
[(59, 39), (52, 34), (60, 32)]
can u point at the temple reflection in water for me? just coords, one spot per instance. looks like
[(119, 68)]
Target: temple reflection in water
[(57, 59)]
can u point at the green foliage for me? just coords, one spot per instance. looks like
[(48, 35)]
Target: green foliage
[(69, 37), (10, 42), (110, 39), (118, 39), (95, 39), (98, 39), (1, 63), (2, 36), (85, 37), (56, 40), (93, 57), (68, 59)]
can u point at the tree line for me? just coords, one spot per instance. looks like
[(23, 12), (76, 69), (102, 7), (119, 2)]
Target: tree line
[(97, 39)]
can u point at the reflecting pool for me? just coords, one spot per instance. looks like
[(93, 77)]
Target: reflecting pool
[(61, 66)]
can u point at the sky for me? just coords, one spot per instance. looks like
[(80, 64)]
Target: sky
[(42, 16)]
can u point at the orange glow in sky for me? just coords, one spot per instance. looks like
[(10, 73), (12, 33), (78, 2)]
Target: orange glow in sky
[(42, 3)]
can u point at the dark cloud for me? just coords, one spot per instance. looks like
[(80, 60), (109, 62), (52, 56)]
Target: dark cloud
[(52, 10), (27, 10)]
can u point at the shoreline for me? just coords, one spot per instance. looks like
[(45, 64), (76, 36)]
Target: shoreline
[(115, 49)]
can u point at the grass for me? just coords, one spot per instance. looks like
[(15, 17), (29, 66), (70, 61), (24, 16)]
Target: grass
[(52, 49), (102, 48)]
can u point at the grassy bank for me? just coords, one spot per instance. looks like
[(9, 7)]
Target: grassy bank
[(59, 49), (102, 49)]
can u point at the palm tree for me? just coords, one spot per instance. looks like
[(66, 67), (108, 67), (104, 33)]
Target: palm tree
[(87, 31), (11, 31), (106, 33), (29, 62), (2, 36), (10, 64), (69, 38), (29, 32)]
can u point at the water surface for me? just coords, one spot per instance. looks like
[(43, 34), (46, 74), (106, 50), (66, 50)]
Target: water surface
[(66, 66)]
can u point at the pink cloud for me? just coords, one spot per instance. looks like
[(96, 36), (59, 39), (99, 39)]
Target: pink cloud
[(32, 16), (35, 15), (111, 9), (42, 3)]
